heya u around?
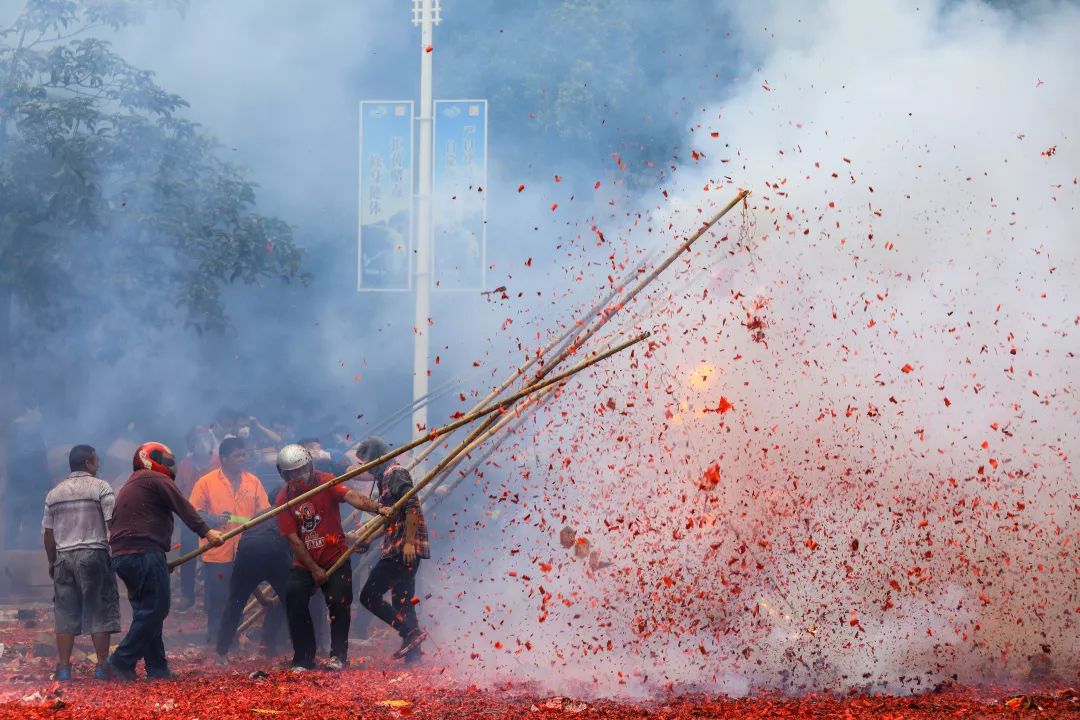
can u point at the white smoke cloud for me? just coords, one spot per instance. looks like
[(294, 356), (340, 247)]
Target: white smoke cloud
[(896, 503)]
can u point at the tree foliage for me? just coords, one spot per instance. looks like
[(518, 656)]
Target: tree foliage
[(590, 75), (107, 193)]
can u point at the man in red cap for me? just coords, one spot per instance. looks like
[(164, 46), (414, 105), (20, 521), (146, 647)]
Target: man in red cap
[(141, 530)]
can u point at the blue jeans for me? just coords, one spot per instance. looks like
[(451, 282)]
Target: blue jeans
[(147, 580)]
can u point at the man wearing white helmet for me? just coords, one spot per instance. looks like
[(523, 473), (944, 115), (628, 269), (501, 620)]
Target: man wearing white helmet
[(314, 530)]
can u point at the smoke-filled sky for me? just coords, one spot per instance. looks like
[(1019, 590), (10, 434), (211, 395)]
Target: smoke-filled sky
[(847, 462), (851, 462)]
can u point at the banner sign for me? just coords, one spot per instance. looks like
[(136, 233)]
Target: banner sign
[(459, 200), (384, 241)]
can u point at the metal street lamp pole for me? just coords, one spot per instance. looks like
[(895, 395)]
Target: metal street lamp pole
[(426, 14)]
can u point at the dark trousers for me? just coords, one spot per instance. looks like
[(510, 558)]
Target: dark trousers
[(254, 565), (400, 579), (216, 588), (146, 578), (188, 542), (321, 624), (337, 591)]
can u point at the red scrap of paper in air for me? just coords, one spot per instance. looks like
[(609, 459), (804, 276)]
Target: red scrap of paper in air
[(554, 207), (711, 478), (597, 185), (722, 407), (1049, 152), (521, 187), (429, 48), (907, 368), (528, 263)]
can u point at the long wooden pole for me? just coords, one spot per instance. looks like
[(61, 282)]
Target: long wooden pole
[(501, 406), (569, 333), (442, 470), (581, 335), (574, 329), (516, 419), (375, 524)]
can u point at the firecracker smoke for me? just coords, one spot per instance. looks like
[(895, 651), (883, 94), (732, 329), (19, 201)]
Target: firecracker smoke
[(848, 461)]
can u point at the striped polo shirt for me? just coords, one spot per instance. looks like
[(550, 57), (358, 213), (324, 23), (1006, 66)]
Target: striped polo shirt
[(78, 511)]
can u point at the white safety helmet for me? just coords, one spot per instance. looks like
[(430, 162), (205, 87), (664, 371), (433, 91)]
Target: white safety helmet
[(291, 458)]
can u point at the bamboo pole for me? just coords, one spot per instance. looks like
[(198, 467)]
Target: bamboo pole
[(501, 406), (254, 617), (259, 598), (372, 526), (581, 335), (558, 343), (430, 496), (575, 328), (584, 334), (508, 419), (437, 485), (444, 389)]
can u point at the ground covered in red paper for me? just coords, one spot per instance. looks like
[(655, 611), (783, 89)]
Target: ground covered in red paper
[(219, 693), (254, 687)]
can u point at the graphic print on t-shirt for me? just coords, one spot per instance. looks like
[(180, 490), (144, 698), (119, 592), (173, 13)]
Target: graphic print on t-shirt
[(309, 518)]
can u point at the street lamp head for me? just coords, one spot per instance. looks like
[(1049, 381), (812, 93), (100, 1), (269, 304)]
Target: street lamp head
[(432, 6)]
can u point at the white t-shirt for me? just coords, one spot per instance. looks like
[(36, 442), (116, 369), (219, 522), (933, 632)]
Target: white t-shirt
[(78, 511)]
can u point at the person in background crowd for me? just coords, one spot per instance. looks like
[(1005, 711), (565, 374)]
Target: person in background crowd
[(142, 528), (226, 425), (325, 461), (262, 556), (28, 481), (85, 599), (199, 460), (226, 497), (405, 542), (314, 530), (261, 434)]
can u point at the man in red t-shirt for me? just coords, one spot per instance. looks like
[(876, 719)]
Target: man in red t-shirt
[(314, 530)]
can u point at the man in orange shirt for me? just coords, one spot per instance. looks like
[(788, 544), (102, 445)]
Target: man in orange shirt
[(226, 497)]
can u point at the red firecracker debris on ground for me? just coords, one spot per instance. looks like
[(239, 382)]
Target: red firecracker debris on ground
[(254, 688)]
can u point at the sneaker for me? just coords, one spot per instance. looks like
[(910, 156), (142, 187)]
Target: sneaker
[(410, 642), (101, 672), (413, 656), (336, 664), (298, 669), (63, 673), (160, 674)]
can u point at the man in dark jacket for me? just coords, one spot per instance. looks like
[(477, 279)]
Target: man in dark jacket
[(405, 542), (140, 534)]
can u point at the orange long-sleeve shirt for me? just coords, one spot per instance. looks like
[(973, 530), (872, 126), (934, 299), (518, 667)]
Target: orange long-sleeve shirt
[(214, 494)]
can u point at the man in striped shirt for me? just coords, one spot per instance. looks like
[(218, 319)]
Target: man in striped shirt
[(77, 513)]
